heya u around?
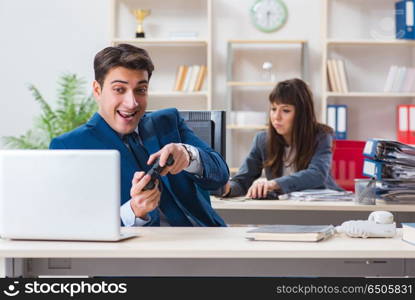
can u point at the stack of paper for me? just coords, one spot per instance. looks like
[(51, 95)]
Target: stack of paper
[(392, 165), (318, 195)]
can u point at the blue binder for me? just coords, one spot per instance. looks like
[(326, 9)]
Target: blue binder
[(404, 16), (337, 119), (372, 168), (370, 148)]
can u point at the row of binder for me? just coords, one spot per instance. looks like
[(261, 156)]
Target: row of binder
[(406, 124), (391, 165), (389, 160), (337, 119)]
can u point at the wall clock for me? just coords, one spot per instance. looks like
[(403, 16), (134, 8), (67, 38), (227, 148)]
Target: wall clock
[(269, 15)]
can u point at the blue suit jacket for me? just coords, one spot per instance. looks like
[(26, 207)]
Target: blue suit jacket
[(158, 129)]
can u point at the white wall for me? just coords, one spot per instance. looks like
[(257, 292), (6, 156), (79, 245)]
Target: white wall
[(41, 40), (44, 38)]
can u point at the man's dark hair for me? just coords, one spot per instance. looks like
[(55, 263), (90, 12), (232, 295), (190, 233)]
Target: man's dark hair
[(123, 55)]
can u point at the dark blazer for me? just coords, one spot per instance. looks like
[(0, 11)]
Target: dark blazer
[(158, 129), (316, 176)]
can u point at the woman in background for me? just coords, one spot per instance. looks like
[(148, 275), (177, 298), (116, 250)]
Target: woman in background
[(296, 150)]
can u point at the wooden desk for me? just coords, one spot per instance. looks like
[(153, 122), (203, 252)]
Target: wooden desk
[(303, 212), (169, 251)]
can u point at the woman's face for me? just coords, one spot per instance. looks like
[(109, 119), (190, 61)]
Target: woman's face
[(282, 119)]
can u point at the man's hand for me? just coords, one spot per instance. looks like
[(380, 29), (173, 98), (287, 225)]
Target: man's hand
[(180, 155), (143, 202), (226, 189), (261, 187)]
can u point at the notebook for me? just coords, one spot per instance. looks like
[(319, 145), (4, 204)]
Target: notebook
[(298, 233), (408, 233)]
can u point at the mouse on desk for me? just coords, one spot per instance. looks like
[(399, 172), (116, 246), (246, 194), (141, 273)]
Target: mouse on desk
[(272, 195)]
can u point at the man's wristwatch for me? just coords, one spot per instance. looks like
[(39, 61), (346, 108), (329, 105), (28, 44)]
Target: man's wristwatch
[(189, 150)]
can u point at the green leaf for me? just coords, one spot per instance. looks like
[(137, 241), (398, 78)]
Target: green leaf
[(73, 108)]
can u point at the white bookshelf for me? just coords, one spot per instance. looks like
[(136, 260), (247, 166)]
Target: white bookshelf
[(163, 42), (357, 95), (167, 52), (370, 42), (177, 94), (247, 91), (368, 49), (242, 83)]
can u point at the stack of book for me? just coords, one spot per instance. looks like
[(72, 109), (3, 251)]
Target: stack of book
[(190, 78), (400, 80), (291, 233), (391, 164), (337, 80)]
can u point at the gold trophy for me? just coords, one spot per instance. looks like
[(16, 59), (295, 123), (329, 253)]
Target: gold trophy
[(140, 14)]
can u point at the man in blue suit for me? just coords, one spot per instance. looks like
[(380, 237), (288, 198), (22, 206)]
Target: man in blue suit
[(122, 75)]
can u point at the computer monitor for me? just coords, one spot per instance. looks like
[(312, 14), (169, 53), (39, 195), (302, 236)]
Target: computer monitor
[(209, 126)]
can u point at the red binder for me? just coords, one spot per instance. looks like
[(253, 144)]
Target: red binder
[(411, 130), (403, 123)]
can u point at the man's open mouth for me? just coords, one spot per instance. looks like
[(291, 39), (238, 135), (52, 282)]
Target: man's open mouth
[(126, 115)]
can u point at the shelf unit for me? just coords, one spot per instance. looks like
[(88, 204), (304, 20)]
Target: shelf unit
[(366, 73), (169, 53), (257, 52)]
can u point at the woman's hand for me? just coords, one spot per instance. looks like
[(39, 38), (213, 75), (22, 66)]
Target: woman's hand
[(261, 187)]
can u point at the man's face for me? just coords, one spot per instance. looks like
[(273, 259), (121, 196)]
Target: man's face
[(122, 100)]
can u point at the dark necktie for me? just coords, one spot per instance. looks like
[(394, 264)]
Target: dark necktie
[(168, 205), (139, 152)]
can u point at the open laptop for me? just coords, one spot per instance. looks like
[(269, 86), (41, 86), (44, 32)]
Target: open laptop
[(60, 195)]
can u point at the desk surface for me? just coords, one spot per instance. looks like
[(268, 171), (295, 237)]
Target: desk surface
[(217, 203), (190, 242)]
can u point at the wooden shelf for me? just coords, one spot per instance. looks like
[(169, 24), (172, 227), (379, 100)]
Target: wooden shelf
[(177, 94), (370, 95), (246, 83), (369, 42), (163, 42), (246, 127), (267, 41)]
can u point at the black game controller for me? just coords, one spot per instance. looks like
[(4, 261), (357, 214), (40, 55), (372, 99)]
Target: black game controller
[(155, 171)]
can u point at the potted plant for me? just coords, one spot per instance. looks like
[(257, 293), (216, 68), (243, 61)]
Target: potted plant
[(73, 108)]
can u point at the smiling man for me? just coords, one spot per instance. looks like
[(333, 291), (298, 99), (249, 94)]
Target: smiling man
[(122, 76)]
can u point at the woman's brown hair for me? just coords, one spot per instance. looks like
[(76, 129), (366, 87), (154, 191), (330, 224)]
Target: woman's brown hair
[(305, 127)]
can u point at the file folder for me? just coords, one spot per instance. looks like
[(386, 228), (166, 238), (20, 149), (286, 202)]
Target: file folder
[(337, 119), (341, 122), (390, 151), (404, 16), (385, 170), (403, 124)]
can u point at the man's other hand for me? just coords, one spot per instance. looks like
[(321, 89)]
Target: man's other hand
[(180, 156), (142, 202)]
